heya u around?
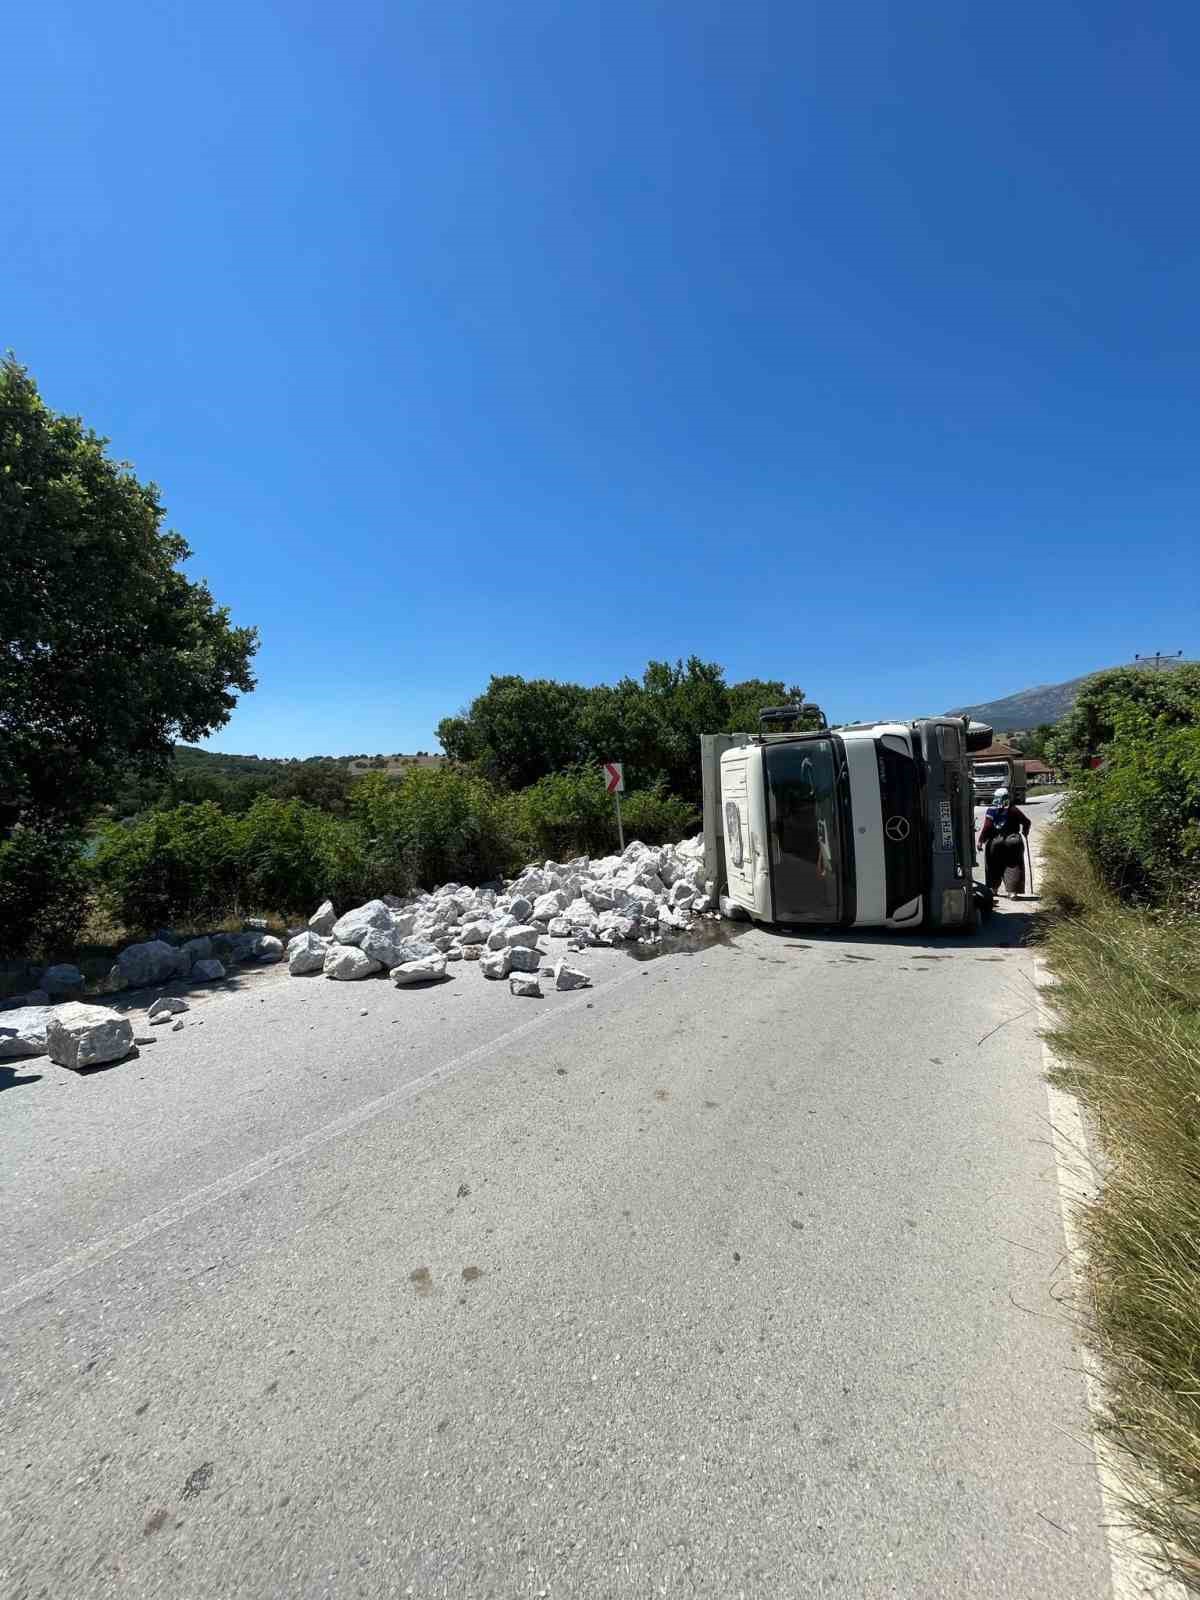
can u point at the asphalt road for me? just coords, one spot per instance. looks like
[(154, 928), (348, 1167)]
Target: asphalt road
[(733, 1276)]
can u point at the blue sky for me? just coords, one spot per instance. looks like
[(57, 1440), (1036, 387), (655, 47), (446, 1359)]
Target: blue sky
[(544, 338)]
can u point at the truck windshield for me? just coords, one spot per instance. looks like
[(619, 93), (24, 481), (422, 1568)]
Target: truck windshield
[(991, 772), (805, 839)]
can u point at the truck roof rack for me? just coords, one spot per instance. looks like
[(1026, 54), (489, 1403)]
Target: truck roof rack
[(772, 714)]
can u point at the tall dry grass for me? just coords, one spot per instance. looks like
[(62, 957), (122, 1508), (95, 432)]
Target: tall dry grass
[(1128, 1033)]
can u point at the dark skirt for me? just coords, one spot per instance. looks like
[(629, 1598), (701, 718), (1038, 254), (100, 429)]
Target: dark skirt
[(1004, 862)]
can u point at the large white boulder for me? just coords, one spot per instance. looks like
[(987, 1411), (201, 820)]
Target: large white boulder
[(384, 945), (532, 882), (166, 1007), (414, 950), (323, 919), (23, 1032), (613, 927), (200, 949), (429, 969), (522, 983), (353, 927), (81, 1036), (267, 948), (523, 958), (152, 962), (474, 933), (549, 905), (559, 928), (522, 933), (346, 961), (638, 895), (306, 953), (207, 971), (566, 977), (496, 963)]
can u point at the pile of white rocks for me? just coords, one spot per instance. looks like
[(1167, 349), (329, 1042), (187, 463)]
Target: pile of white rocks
[(636, 897)]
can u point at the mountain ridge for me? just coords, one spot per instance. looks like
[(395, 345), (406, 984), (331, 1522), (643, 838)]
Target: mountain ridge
[(1041, 702)]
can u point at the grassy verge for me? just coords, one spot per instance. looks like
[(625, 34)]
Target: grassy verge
[(1128, 1004)]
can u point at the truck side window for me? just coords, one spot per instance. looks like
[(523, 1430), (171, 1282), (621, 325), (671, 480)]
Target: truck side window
[(733, 832)]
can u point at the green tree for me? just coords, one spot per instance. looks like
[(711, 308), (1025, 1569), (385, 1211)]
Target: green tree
[(518, 729), (521, 730), (747, 699), (1126, 698), (1034, 742), (688, 700), (107, 652), (318, 782), (1139, 816), (620, 722)]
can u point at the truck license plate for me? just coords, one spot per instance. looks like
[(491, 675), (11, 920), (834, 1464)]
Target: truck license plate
[(947, 824)]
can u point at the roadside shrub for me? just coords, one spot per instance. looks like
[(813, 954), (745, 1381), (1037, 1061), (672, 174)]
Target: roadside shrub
[(435, 824), (571, 813), (43, 892), (348, 869), (566, 814), (194, 864), (1139, 815), (284, 850), (178, 865), (656, 816)]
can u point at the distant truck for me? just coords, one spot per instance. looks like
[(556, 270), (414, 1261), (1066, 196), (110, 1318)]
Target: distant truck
[(868, 825), (999, 772)]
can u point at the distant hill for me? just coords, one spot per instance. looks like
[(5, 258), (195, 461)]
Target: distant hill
[(1045, 702), (191, 757)]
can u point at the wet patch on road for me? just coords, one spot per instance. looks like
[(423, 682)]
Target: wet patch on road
[(198, 1479), (702, 935)]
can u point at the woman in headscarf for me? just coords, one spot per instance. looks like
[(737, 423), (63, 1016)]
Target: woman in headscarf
[(1002, 839)]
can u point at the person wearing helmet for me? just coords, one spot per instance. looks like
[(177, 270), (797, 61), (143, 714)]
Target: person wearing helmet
[(1002, 839)]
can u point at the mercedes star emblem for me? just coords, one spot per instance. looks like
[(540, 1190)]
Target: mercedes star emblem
[(896, 829)]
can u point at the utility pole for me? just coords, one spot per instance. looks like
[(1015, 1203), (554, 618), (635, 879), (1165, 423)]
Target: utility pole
[(1157, 659)]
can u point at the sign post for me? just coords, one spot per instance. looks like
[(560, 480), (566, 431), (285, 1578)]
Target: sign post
[(614, 782)]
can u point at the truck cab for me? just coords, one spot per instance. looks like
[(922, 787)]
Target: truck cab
[(990, 773), (868, 825)]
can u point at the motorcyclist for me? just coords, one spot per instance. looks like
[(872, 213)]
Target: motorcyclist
[(1002, 838)]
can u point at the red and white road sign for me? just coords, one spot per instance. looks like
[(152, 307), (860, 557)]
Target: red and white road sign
[(614, 777)]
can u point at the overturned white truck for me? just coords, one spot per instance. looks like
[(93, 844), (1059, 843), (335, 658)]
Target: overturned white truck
[(870, 825)]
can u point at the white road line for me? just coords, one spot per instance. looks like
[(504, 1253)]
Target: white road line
[(48, 1278), (1130, 1552)]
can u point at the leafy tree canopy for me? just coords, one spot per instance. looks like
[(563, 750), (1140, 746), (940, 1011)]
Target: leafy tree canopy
[(1126, 698), (107, 652), (521, 729)]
